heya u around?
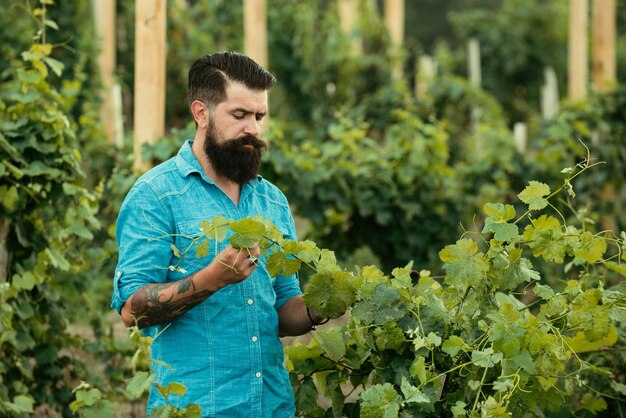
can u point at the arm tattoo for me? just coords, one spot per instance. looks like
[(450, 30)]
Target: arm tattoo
[(149, 307)]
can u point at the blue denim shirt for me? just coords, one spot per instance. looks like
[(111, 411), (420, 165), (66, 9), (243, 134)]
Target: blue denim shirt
[(226, 350)]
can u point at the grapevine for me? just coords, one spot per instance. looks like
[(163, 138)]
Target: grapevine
[(487, 338)]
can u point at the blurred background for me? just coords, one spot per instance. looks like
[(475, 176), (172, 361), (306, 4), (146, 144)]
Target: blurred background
[(391, 125)]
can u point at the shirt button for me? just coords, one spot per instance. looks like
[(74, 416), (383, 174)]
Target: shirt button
[(254, 338), (250, 301), (258, 374), (119, 273)]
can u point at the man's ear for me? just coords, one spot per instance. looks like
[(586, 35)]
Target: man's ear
[(200, 114)]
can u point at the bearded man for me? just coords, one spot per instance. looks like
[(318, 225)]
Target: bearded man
[(217, 319)]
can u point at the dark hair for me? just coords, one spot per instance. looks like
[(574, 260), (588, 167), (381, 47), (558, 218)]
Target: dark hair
[(209, 76)]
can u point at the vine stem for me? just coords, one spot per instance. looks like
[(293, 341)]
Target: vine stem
[(482, 381)]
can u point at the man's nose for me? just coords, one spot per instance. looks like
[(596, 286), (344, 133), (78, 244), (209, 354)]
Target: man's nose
[(253, 127)]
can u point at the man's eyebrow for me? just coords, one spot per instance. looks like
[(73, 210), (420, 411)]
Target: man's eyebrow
[(247, 111)]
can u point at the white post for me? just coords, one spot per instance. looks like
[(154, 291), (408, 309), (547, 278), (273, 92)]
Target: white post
[(476, 80), (426, 72), (520, 135), (549, 94)]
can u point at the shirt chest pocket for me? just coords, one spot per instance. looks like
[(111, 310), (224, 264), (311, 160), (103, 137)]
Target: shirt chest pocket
[(194, 250)]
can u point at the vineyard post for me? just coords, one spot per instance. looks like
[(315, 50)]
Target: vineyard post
[(520, 135), (603, 44), (475, 76), (348, 15), (426, 72), (110, 112), (394, 20), (149, 100), (578, 54), (255, 31), (549, 94)]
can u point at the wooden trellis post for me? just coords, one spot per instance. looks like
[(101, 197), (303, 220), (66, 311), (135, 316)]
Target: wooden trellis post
[(348, 15), (110, 112), (578, 50), (394, 20), (604, 44), (149, 101), (255, 31)]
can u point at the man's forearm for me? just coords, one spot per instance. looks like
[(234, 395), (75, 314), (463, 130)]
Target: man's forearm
[(157, 303)]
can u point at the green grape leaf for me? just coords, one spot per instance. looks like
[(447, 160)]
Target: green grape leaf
[(545, 292), (202, 249), (25, 281), (216, 228), (498, 212), (533, 195), (522, 360), (380, 401), (389, 337), (139, 384), (453, 345), (590, 248), (458, 410), (473, 384), (546, 239), (385, 305), (463, 263), (10, 197), (330, 294), (102, 409), (176, 388), (501, 231), (518, 271), (418, 369), (280, 264), (175, 250), (21, 403), (248, 232), (618, 387), (411, 393), (306, 396), (373, 274), (192, 411), (402, 276), (332, 342), (486, 358), (327, 262), (593, 403), (306, 251), (272, 233), (503, 385)]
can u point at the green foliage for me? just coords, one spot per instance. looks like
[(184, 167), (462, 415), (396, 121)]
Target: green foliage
[(466, 344), (46, 213)]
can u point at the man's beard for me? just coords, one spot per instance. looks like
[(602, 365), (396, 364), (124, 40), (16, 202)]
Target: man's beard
[(231, 158)]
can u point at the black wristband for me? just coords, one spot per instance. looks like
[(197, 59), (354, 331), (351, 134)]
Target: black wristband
[(313, 323)]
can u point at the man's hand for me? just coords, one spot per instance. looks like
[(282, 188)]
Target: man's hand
[(233, 266)]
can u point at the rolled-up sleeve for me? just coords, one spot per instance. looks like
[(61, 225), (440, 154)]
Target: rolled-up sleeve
[(144, 233)]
